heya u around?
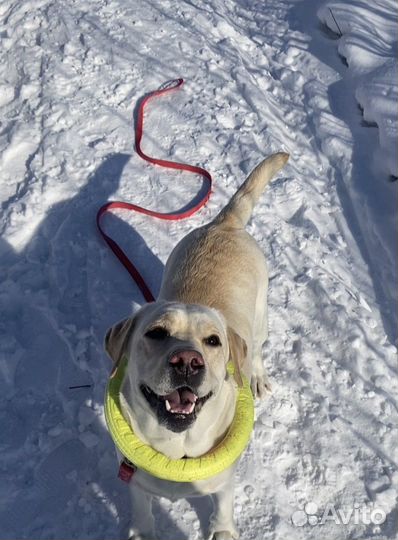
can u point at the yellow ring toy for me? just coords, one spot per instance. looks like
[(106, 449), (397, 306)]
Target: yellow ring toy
[(157, 464)]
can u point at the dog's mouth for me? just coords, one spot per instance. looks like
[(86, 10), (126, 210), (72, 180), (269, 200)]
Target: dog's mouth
[(177, 410)]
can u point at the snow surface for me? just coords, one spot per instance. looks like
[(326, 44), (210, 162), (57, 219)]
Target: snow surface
[(368, 42), (261, 77)]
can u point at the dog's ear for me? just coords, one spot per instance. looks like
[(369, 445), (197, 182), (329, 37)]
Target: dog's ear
[(237, 354), (116, 340)]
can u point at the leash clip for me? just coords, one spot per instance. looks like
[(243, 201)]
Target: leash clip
[(126, 471), (168, 85)]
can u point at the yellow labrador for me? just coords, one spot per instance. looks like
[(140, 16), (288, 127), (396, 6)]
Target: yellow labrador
[(211, 308)]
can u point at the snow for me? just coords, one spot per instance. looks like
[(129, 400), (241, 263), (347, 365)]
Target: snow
[(368, 43), (260, 77)]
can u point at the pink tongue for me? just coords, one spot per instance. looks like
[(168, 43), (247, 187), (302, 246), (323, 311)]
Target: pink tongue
[(181, 401)]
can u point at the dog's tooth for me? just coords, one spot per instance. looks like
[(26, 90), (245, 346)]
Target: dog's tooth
[(191, 408), (168, 406)]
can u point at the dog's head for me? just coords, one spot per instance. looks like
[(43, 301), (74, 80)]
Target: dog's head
[(177, 356)]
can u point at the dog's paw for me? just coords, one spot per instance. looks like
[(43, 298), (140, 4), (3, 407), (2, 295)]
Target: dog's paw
[(224, 535), (260, 385), (133, 534), (139, 536), (224, 531)]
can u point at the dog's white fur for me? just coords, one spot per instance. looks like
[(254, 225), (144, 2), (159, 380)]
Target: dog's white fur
[(215, 283)]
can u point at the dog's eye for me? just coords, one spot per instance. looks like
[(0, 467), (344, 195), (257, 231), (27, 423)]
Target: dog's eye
[(158, 332), (213, 341)]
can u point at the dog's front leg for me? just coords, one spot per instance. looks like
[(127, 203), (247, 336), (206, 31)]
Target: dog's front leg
[(143, 525), (222, 525)]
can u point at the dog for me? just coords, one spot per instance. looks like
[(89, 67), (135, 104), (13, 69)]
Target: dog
[(176, 394)]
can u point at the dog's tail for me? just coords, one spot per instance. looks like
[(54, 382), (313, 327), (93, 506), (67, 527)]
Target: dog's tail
[(239, 209)]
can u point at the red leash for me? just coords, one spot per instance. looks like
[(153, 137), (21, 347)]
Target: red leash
[(131, 269)]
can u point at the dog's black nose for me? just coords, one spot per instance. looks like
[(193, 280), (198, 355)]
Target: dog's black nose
[(187, 362)]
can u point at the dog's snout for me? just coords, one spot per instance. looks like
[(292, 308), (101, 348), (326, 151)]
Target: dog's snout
[(187, 362)]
